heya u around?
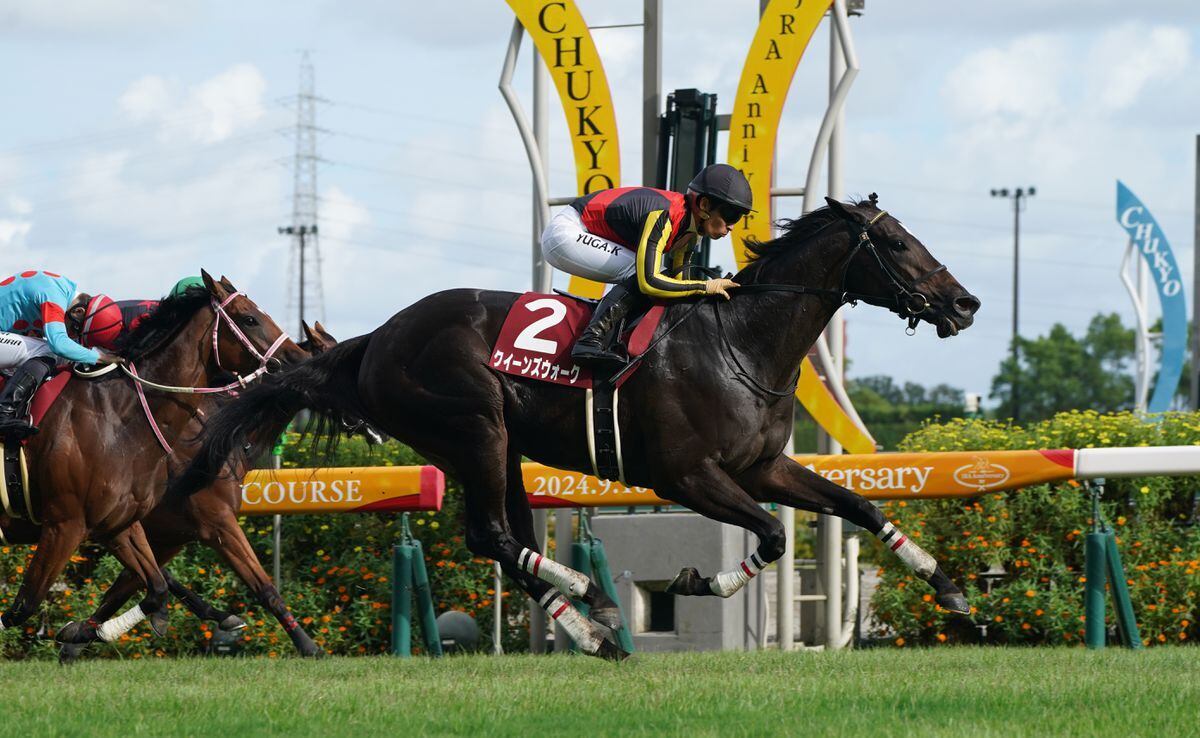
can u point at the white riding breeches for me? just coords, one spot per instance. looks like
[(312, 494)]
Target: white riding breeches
[(16, 349), (568, 246)]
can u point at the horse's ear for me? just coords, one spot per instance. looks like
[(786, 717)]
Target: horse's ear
[(320, 330), (214, 288), (840, 209), (227, 284), (874, 199), (308, 332)]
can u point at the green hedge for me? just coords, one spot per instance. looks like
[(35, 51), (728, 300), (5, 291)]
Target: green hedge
[(336, 572), (1037, 535)]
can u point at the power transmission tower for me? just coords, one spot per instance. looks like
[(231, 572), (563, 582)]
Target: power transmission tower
[(304, 293)]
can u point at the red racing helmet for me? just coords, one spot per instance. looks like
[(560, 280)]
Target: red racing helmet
[(102, 323)]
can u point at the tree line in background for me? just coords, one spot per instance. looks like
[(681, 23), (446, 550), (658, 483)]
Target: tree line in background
[(1056, 372)]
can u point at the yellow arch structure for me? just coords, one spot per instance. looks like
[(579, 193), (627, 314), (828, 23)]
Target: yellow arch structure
[(565, 43), (784, 31)]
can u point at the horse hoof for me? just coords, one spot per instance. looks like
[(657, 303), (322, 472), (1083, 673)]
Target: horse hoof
[(954, 602), (609, 617), (688, 582), (232, 624), (610, 651), (74, 633), (314, 653), (70, 653), (158, 623)]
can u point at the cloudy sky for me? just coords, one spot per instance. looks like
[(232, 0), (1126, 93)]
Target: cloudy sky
[(144, 139)]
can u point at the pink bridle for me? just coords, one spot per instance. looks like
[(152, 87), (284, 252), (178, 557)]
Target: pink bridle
[(264, 366)]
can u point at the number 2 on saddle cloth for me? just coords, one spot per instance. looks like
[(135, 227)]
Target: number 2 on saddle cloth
[(536, 338)]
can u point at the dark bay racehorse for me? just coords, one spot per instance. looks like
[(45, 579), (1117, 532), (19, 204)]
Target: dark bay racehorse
[(210, 517), (703, 422), (98, 466)]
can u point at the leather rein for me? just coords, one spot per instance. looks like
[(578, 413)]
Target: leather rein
[(906, 301), (267, 363)]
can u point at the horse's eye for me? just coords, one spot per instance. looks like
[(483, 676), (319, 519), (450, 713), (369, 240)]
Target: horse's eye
[(248, 321), (898, 245)]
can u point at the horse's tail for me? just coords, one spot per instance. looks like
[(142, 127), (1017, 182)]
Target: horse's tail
[(245, 428)]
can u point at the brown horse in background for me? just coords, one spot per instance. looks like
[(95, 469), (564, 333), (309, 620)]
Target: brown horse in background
[(208, 517), (97, 467), (703, 422)]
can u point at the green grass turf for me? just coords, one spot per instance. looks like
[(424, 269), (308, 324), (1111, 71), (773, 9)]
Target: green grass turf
[(958, 692)]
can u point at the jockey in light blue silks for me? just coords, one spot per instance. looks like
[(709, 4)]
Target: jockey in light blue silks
[(37, 301)]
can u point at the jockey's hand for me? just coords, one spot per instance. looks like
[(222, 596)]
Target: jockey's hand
[(107, 358), (719, 286)]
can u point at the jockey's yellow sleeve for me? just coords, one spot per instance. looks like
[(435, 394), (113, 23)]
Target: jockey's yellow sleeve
[(653, 244)]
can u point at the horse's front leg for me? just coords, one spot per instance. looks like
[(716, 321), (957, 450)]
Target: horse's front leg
[(783, 481), (711, 492)]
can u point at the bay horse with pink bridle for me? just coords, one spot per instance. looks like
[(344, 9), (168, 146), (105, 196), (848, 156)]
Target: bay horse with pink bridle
[(101, 460)]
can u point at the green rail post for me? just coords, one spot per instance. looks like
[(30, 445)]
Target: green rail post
[(603, 575), (429, 627), (581, 561), (1095, 559), (402, 571), (1122, 603)]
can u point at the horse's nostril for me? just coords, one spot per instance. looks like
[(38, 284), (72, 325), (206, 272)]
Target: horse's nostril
[(967, 304)]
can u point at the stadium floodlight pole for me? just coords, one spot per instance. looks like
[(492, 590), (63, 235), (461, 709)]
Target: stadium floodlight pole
[(1017, 196)]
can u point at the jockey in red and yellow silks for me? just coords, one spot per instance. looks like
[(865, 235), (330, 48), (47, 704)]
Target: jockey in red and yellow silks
[(626, 236)]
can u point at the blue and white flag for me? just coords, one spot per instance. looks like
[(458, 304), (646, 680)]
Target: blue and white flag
[(1150, 241)]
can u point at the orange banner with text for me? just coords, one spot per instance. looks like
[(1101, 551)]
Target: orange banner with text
[(350, 489), (875, 476)]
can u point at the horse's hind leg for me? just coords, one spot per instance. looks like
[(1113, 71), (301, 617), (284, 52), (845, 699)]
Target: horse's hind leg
[(55, 546), (601, 607), (222, 533), (485, 479), (201, 607), (782, 480), (131, 548)]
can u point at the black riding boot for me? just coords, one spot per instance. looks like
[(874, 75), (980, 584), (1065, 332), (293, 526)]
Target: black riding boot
[(596, 343), (15, 397)]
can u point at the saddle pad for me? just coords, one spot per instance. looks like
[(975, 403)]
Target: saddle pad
[(539, 330)]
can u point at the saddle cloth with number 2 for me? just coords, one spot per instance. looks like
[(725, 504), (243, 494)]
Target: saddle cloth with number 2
[(536, 338)]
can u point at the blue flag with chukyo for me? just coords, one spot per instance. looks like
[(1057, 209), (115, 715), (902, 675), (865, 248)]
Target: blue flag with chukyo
[(1151, 243)]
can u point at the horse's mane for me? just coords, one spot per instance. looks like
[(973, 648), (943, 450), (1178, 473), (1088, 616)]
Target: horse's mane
[(171, 315), (796, 233)]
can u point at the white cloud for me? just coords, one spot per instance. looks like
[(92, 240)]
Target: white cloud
[(92, 17), (1126, 60), (1021, 79), (209, 112)]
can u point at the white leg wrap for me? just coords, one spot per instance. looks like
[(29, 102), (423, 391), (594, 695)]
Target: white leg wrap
[(564, 579), (726, 583), (113, 629), (910, 553), (1, 625), (561, 610)]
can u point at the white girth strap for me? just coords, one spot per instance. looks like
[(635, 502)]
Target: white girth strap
[(591, 432)]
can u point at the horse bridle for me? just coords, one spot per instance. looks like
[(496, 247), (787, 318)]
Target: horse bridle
[(909, 303), (267, 364)]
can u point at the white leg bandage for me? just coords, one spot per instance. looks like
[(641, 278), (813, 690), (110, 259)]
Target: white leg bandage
[(726, 583), (564, 579), (113, 629), (561, 610), (910, 553)]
